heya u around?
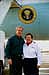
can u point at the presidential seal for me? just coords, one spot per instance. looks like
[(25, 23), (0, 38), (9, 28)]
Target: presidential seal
[(27, 14)]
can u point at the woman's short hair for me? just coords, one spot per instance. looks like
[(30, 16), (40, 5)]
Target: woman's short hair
[(29, 34)]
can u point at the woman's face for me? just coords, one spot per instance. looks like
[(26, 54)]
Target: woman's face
[(28, 39)]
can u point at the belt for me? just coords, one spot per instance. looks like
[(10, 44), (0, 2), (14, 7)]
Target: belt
[(17, 56)]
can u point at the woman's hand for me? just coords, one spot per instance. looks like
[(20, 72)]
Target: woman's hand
[(38, 66)]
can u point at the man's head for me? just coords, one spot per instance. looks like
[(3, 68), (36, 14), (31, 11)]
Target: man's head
[(19, 31), (28, 37)]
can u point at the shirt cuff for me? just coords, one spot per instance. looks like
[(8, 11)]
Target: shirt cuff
[(38, 64)]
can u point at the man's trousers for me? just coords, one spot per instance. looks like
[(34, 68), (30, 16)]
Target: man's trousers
[(16, 67)]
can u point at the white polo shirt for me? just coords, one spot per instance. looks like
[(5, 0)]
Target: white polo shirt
[(32, 51)]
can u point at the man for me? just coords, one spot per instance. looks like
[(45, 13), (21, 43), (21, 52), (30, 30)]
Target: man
[(32, 56), (14, 52)]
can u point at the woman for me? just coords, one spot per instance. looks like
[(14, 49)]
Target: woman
[(32, 56)]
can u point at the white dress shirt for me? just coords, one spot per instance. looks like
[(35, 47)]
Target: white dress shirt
[(32, 51)]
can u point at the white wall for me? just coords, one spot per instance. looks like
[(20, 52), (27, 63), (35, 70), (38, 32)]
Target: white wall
[(44, 47), (2, 41), (44, 44)]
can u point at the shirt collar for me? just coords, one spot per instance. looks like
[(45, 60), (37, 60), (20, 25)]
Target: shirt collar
[(29, 44)]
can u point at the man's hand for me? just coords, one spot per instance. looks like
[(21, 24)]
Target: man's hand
[(10, 61), (38, 66)]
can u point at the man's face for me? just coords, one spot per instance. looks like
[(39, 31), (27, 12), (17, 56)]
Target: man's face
[(19, 31), (28, 39)]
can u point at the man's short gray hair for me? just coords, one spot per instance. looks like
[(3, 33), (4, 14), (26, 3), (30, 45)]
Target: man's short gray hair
[(19, 27)]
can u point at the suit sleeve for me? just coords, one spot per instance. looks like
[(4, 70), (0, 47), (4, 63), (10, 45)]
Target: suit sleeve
[(38, 55), (8, 50)]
